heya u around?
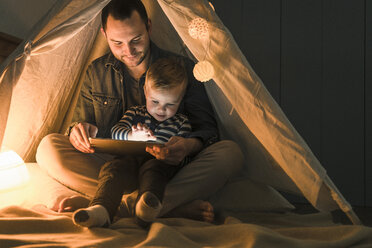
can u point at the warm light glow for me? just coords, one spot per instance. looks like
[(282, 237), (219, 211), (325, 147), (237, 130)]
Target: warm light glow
[(13, 171), (203, 71), (212, 6)]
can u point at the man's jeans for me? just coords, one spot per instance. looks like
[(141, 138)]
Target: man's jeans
[(200, 179)]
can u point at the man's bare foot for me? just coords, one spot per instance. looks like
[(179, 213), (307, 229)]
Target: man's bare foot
[(196, 210), (71, 203)]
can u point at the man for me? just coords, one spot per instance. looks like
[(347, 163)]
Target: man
[(114, 83)]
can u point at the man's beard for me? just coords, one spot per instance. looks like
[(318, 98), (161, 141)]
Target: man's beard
[(141, 57)]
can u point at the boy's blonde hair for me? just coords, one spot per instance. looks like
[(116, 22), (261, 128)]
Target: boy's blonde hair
[(167, 73)]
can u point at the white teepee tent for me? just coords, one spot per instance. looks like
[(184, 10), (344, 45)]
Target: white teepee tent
[(40, 81)]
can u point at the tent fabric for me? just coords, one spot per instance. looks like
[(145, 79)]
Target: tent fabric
[(40, 227), (28, 222), (39, 86)]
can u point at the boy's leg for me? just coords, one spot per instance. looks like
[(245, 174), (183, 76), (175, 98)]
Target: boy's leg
[(115, 178), (202, 177), (72, 168), (153, 177)]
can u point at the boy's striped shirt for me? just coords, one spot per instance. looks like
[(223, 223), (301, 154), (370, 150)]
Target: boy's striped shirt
[(178, 125)]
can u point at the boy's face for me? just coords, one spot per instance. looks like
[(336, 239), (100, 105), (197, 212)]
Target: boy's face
[(162, 104), (128, 39)]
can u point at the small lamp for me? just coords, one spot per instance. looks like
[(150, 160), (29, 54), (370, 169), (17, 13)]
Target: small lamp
[(13, 171)]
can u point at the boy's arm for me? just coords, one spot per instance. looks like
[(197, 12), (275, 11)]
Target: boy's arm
[(127, 129), (141, 132), (184, 129), (121, 129)]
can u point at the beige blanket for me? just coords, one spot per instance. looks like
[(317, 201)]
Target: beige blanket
[(31, 224)]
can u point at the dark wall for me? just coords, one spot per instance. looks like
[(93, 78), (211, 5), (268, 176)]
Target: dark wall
[(314, 57), (7, 45)]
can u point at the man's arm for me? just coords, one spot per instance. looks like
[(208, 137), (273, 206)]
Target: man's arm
[(178, 146), (199, 111), (176, 149), (83, 125), (84, 110), (79, 136)]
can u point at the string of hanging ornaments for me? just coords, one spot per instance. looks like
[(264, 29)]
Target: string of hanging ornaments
[(198, 29)]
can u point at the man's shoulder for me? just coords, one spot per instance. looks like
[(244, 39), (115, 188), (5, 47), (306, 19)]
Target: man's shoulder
[(104, 64)]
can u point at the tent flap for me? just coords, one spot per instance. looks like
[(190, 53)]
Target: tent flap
[(39, 93)]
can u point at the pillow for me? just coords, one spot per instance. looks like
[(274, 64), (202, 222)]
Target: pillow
[(244, 195)]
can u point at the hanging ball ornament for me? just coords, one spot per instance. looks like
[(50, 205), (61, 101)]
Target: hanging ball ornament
[(198, 28), (203, 71)]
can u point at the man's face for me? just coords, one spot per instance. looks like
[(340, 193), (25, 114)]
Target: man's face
[(163, 104), (128, 39)]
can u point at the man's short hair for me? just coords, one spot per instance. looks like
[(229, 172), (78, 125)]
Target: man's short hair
[(167, 73), (123, 9)]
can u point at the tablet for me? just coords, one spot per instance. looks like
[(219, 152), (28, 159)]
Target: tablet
[(121, 147)]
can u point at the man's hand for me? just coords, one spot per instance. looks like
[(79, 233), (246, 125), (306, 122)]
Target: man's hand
[(141, 132), (80, 134), (176, 149)]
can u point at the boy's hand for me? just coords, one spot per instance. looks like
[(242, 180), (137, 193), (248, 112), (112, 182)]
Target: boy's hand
[(141, 132), (175, 150), (80, 134)]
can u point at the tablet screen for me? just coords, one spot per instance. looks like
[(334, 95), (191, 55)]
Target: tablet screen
[(121, 147)]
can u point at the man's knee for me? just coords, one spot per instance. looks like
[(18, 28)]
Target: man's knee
[(228, 157), (46, 142), (48, 147), (52, 140)]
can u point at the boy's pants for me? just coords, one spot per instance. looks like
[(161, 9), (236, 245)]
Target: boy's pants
[(201, 178), (126, 174)]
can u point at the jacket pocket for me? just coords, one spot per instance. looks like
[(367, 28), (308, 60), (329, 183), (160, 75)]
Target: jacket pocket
[(104, 100), (107, 109)]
